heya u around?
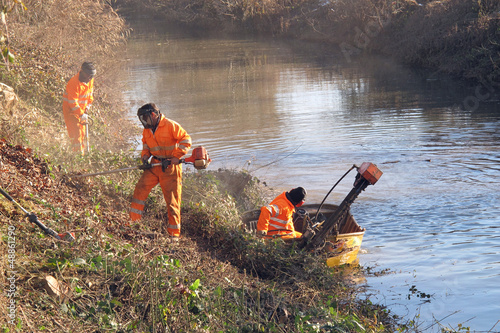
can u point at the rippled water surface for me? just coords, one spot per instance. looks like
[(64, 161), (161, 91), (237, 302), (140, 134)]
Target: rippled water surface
[(302, 115)]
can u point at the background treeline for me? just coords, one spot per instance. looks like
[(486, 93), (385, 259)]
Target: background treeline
[(457, 37)]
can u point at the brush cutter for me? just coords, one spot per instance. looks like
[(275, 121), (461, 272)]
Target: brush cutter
[(199, 159), (67, 236)]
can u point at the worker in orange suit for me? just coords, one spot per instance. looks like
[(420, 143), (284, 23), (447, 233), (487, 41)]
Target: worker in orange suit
[(165, 142), (77, 100), (276, 219)]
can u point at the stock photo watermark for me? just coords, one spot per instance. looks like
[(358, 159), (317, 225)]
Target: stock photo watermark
[(484, 91), (363, 36), (487, 89), (11, 290)]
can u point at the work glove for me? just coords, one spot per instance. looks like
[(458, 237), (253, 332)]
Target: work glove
[(261, 233), (84, 119), (164, 165), (145, 164)]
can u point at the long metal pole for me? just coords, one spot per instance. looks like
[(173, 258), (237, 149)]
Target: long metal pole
[(114, 171), (142, 167), (87, 135)]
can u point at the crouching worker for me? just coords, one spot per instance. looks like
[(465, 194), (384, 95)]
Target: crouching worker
[(166, 142), (276, 220)]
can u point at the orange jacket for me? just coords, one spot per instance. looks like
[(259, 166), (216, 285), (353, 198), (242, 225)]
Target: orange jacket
[(169, 140), (78, 96), (277, 218)]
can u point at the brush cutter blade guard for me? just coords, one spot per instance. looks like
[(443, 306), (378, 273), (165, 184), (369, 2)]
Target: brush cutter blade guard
[(68, 236)]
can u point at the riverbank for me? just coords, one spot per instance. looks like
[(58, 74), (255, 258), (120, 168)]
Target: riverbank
[(452, 37)]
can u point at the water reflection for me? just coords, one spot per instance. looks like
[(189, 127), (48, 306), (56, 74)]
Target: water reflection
[(295, 116)]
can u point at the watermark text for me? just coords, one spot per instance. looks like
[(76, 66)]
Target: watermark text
[(11, 290)]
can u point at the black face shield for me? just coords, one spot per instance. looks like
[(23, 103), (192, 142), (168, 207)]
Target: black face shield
[(85, 77), (147, 120), (87, 72)]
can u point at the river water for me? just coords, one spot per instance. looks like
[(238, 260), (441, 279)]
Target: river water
[(302, 115)]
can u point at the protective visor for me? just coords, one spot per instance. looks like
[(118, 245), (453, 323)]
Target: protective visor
[(146, 120)]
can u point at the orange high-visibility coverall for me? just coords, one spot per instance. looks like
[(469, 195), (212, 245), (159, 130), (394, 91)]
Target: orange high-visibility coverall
[(169, 140), (76, 98), (277, 219)]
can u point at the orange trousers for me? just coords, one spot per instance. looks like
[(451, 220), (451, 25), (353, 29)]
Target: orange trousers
[(76, 132), (171, 186)]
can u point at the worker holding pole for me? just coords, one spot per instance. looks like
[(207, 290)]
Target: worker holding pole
[(77, 99), (165, 142)]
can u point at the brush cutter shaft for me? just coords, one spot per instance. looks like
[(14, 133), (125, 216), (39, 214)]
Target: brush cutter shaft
[(87, 137), (10, 198), (142, 167), (199, 159), (33, 219)]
